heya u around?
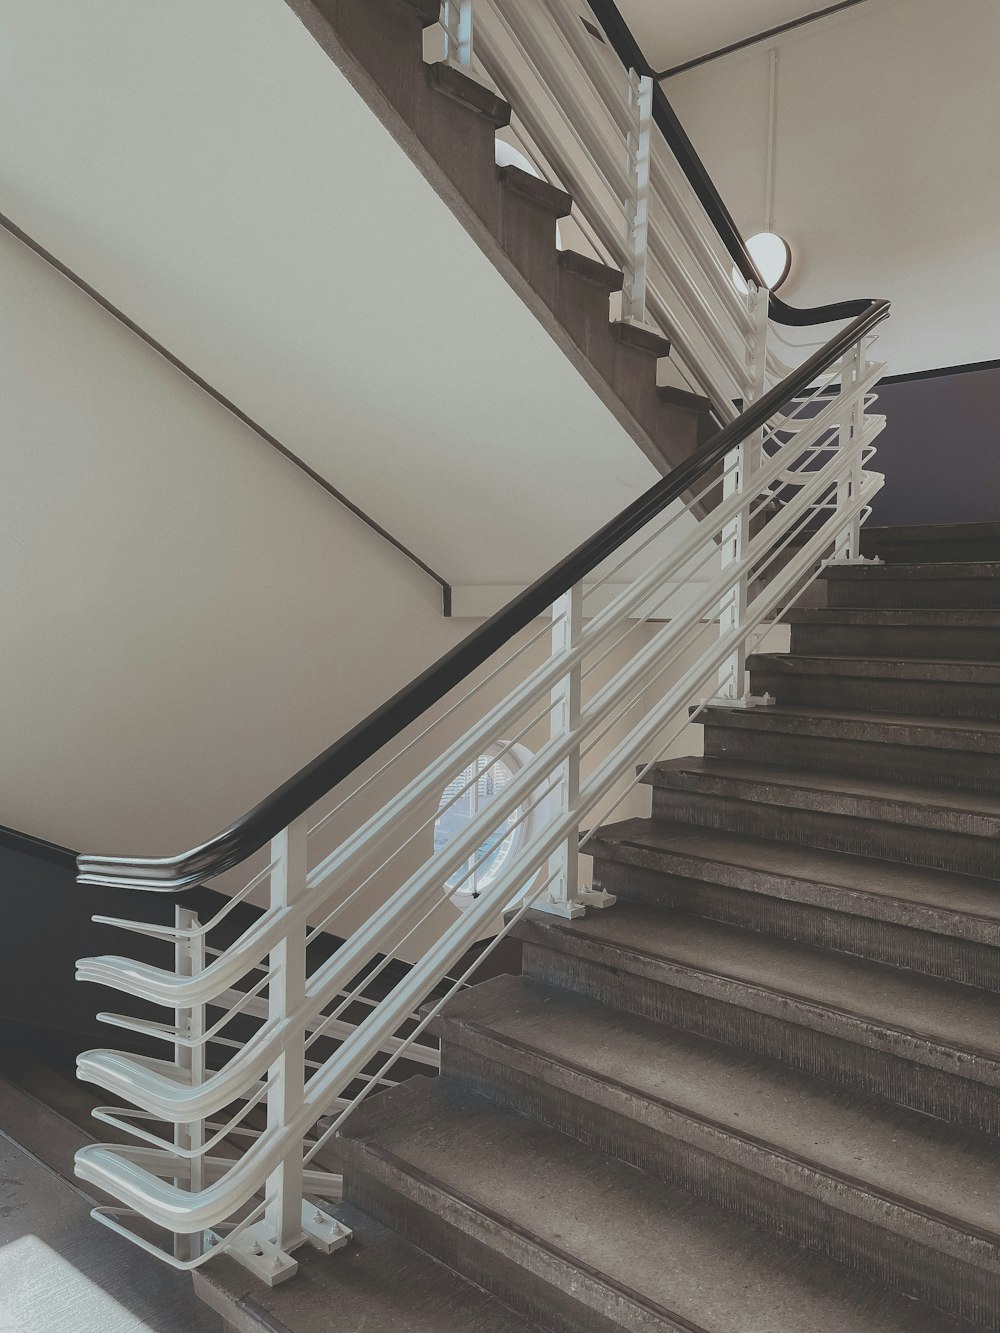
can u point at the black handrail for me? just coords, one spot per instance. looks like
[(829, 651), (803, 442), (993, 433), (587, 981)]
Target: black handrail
[(625, 46), (249, 833)]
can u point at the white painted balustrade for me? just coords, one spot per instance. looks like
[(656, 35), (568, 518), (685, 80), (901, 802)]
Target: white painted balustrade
[(273, 1032)]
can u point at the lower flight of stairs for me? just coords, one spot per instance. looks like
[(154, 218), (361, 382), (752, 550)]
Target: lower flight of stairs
[(761, 1094)]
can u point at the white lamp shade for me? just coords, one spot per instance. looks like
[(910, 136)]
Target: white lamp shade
[(771, 254)]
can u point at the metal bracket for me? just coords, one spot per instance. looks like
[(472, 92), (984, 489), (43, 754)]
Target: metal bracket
[(595, 898), (257, 1252), (569, 910), (324, 1232), (747, 701), (577, 907)]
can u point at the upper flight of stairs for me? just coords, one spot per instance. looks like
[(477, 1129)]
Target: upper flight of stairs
[(761, 1094), (447, 123)]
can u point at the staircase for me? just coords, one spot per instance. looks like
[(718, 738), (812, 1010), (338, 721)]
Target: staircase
[(760, 1094)]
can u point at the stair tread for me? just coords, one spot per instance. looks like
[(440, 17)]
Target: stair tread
[(973, 733), (540, 192), (915, 668), (380, 1283), (916, 1159), (601, 1216), (592, 270), (925, 799), (945, 1013), (461, 88), (966, 895), (919, 569), (929, 617)]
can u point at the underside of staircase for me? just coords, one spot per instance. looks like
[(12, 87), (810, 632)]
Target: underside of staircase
[(760, 1094), (447, 123)]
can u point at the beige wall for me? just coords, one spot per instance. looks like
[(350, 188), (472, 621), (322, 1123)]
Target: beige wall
[(186, 617), (887, 165)]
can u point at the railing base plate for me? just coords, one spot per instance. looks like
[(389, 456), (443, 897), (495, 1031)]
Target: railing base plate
[(747, 701)]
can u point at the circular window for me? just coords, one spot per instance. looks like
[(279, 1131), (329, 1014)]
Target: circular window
[(462, 799)]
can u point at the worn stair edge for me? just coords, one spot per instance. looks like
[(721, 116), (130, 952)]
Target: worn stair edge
[(906, 670), (459, 87), (922, 571), (643, 339), (537, 191), (885, 617), (842, 1042), (591, 270), (604, 1097), (956, 831), (977, 816), (860, 728), (868, 914), (380, 1283), (580, 1251), (691, 402), (910, 749)]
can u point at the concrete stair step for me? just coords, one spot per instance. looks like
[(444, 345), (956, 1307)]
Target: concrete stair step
[(943, 689), (916, 825), (940, 752), (447, 123), (591, 270), (905, 1198), (589, 1244), (930, 921), (954, 634), (933, 542), (458, 86), (945, 584), (380, 1283), (924, 1042), (641, 338)]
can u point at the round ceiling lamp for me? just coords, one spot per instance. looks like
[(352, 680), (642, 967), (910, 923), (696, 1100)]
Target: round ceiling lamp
[(773, 257)]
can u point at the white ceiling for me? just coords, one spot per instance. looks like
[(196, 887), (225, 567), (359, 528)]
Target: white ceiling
[(673, 33)]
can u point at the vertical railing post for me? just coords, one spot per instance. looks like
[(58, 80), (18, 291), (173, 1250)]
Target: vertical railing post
[(189, 1136), (285, 994), (564, 897), (640, 100), (739, 468), (847, 547), (456, 22)]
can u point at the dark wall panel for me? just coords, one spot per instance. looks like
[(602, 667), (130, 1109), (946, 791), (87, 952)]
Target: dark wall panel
[(940, 450)]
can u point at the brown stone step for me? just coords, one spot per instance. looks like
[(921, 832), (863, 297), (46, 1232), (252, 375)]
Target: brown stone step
[(904, 1198), (924, 1042)]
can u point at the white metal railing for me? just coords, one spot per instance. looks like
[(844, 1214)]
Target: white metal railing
[(266, 1045), (272, 1038), (586, 123)]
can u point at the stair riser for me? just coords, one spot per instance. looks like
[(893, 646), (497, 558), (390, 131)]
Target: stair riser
[(924, 951), (877, 1071), (867, 695), (964, 769), (840, 833), (913, 592), (955, 550), (558, 1296), (963, 644), (763, 1187)]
